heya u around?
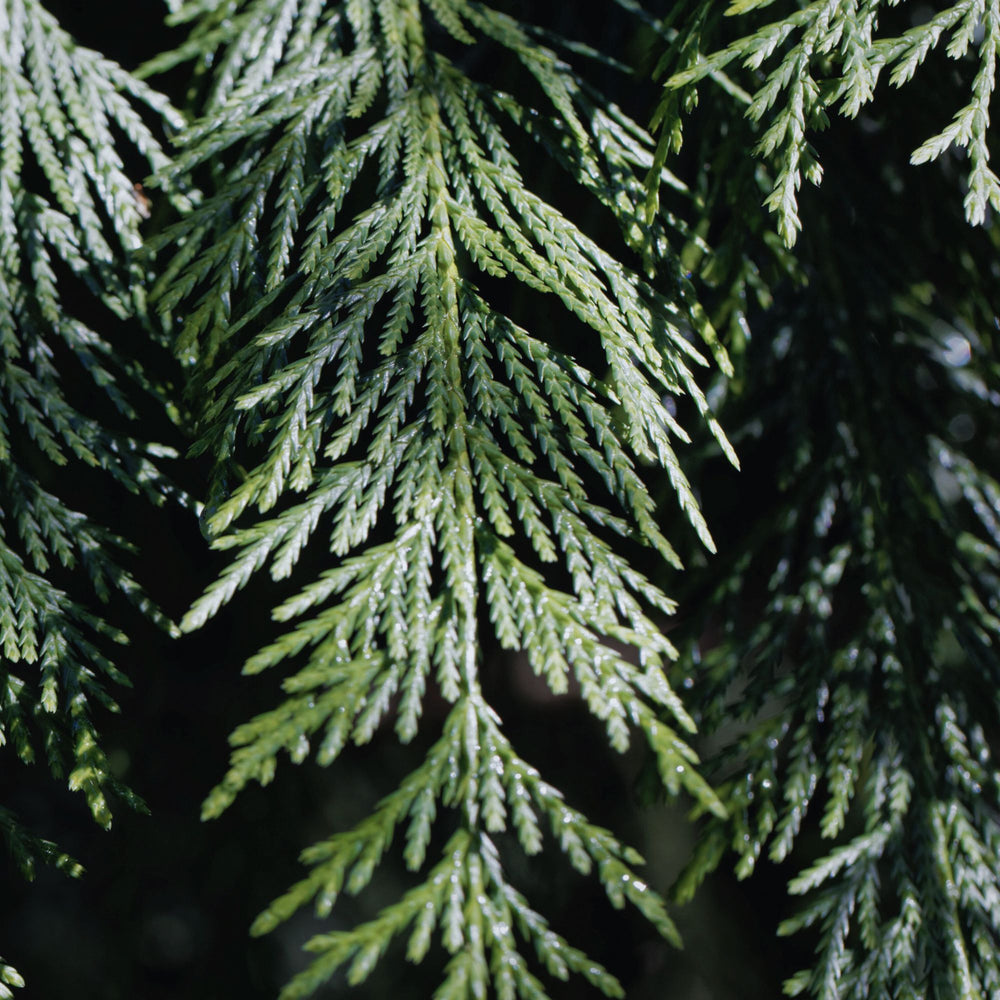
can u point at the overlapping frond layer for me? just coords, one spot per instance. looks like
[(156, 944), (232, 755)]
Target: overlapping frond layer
[(861, 690), (350, 294), (69, 225), (802, 61)]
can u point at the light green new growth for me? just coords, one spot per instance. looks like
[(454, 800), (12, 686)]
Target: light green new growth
[(339, 289), (69, 219), (828, 55)]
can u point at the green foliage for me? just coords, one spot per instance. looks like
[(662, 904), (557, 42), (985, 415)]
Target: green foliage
[(827, 56), (69, 229), (8, 977), (846, 656), (447, 457), (860, 687), (448, 316)]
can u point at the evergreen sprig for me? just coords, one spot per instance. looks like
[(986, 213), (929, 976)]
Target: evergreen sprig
[(345, 290), (827, 56), (855, 698), (70, 215)]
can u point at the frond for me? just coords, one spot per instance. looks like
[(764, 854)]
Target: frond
[(350, 291), (863, 681), (801, 62), (70, 219)]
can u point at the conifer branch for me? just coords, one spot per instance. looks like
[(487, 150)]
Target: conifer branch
[(343, 289), (70, 219), (867, 676), (827, 56)]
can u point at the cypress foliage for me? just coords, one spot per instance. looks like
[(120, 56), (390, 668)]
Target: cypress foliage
[(446, 412), (456, 464), (70, 214), (858, 617)]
